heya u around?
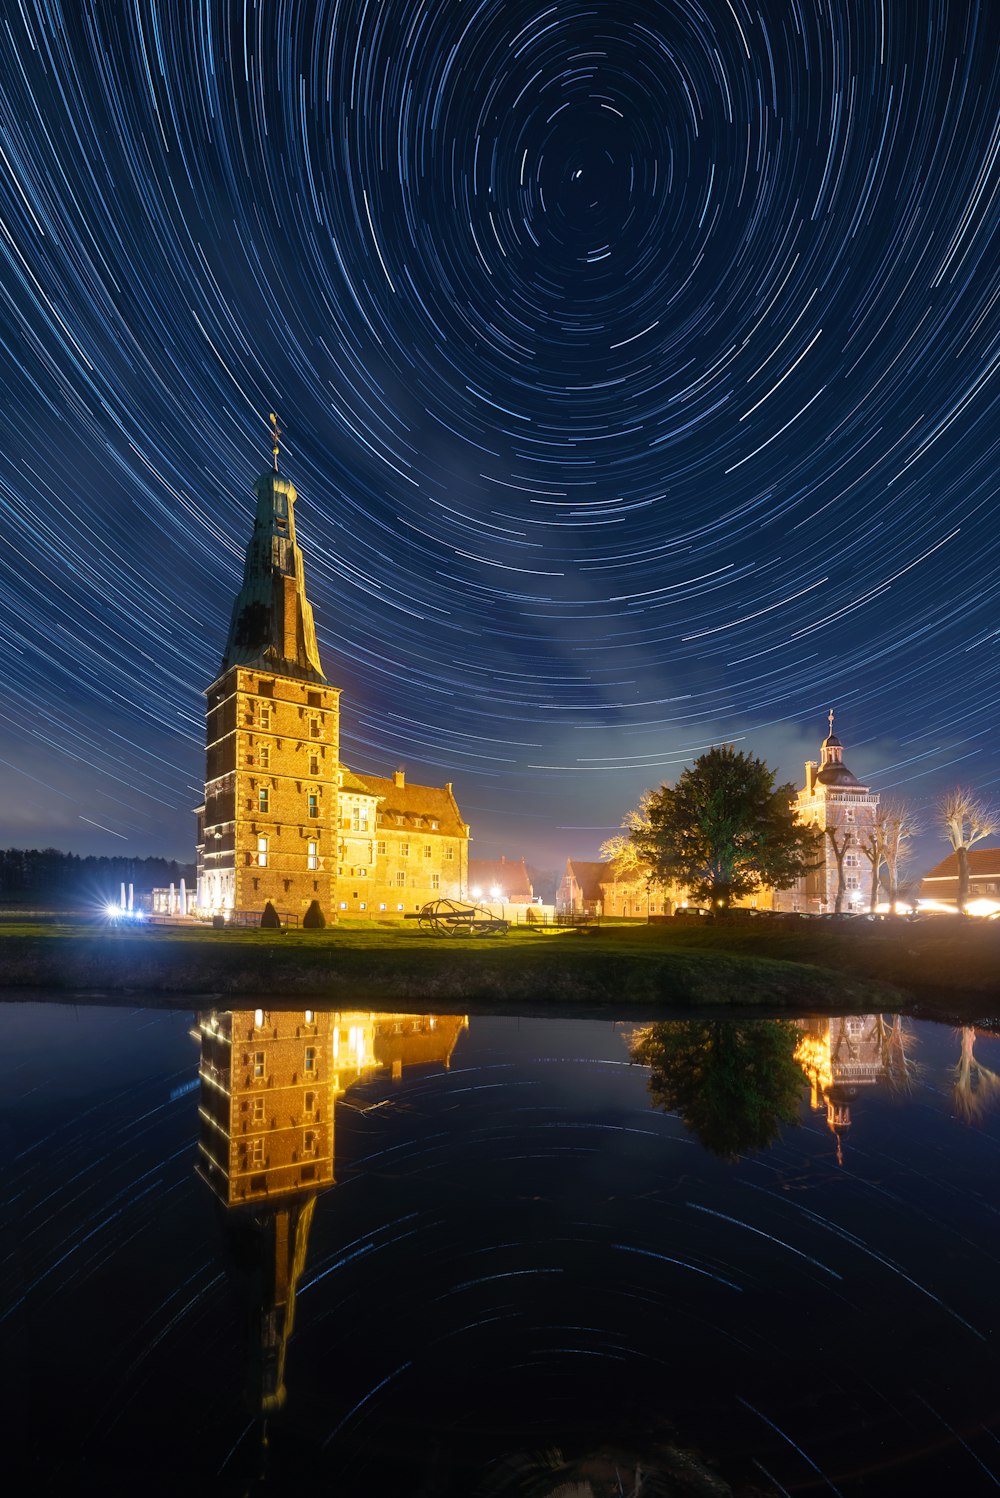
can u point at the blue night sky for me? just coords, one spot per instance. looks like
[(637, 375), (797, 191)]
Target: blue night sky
[(637, 364)]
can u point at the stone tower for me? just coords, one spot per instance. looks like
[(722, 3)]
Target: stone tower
[(273, 735), (833, 797)]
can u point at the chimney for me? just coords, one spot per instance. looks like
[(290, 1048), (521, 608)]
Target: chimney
[(399, 779)]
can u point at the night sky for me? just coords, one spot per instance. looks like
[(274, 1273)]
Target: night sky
[(637, 365)]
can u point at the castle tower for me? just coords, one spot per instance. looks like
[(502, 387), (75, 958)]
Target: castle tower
[(267, 831), (833, 797)]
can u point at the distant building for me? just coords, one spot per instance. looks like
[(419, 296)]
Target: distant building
[(283, 819), (833, 797), (594, 888), (984, 877), (501, 880)]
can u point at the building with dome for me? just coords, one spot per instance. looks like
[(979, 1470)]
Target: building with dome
[(284, 821), (834, 799)]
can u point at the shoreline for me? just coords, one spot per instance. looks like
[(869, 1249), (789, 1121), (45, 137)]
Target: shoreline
[(622, 972)]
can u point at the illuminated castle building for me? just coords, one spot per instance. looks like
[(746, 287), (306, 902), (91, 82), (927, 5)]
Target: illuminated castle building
[(833, 798), (284, 821), (842, 1056), (269, 1084)]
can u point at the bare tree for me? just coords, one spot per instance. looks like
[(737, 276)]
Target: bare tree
[(622, 851), (976, 1088), (871, 845), (840, 836), (897, 825), (966, 820)]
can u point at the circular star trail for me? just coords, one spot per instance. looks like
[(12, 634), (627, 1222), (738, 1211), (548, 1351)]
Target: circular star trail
[(637, 364)]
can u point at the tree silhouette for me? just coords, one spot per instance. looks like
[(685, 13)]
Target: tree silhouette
[(733, 1083)]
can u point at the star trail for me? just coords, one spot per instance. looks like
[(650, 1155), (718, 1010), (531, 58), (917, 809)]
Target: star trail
[(636, 362)]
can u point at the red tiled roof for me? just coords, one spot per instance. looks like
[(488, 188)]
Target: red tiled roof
[(418, 805), (588, 876), (984, 863), (508, 874)]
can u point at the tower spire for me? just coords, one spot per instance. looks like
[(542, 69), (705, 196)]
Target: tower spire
[(275, 439), (830, 715)]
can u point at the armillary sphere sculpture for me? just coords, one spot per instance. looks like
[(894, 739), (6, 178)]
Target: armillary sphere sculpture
[(450, 918)]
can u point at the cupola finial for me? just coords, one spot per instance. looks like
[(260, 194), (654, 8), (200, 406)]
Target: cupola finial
[(275, 439), (831, 710)]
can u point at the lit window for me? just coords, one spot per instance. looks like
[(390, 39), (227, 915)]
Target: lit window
[(313, 804), (363, 905), (313, 856), (435, 881), (310, 1016), (449, 855), (258, 1110), (404, 850), (400, 880), (258, 1017), (264, 758), (428, 850), (399, 907), (382, 906), (262, 852), (263, 799), (310, 1058), (380, 849), (343, 904), (258, 1063)]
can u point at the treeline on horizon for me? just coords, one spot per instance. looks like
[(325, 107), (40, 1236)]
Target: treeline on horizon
[(45, 875)]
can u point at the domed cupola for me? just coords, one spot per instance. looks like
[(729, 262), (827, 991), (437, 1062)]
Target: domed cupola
[(833, 773)]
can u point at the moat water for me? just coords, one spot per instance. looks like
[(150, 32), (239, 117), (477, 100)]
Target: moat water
[(764, 1256)]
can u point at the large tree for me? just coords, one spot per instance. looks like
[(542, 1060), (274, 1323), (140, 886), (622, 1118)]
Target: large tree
[(725, 829), (966, 820), (733, 1082)]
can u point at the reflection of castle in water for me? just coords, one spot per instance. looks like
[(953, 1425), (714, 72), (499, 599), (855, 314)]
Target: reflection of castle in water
[(270, 1080), (842, 1056)]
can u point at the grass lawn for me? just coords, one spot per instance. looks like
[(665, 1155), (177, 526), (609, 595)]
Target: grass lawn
[(618, 965)]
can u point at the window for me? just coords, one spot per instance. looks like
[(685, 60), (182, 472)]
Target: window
[(263, 715), (313, 804), (380, 849), (449, 855), (310, 1102), (314, 699), (314, 764), (314, 728), (382, 905), (258, 1018), (343, 905), (310, 1017), (435, 881), (262, 852), (309, 1063), (848, 813), (364, 905), (258, 1110), (434, 825), (313, 856), (263, 799), (400, 880), (400, 821), (399, 907), (309, 1142), (258, 1063), (404, 850), (257, 1151), (428, 850), (264, 757), (359, 819)]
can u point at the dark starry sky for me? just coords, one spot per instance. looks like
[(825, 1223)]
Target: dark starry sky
[(636, 362)]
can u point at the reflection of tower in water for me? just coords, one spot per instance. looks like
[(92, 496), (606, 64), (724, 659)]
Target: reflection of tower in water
[(840, 1057), (270, 1080)]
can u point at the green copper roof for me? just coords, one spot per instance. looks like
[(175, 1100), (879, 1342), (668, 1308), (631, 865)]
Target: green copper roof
[(272, 625)]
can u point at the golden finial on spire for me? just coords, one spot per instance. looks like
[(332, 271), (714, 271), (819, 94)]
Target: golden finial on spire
[(831, 710), (275, 438)]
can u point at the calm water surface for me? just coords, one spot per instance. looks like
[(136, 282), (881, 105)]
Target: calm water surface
[(362, 1254)]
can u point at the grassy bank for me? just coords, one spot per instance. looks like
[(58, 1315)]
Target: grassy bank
[(620, 969)]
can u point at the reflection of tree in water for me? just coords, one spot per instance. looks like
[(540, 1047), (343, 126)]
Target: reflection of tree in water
[(976, 1089), (733, 1084), (901, 1071)]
